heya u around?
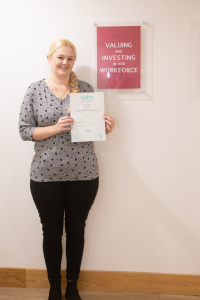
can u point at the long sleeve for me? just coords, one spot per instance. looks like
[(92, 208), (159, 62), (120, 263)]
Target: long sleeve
[(27, 123)]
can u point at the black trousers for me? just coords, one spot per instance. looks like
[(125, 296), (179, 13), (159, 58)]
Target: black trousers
[(53, 199)]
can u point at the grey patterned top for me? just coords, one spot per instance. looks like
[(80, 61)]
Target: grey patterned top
[(56, 158)]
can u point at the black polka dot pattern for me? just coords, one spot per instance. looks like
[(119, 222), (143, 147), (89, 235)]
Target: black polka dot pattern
[(56, 158)]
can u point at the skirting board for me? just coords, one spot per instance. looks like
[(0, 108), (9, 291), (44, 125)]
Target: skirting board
[(158, 283)]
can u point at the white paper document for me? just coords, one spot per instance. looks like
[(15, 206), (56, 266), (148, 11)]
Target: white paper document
[(87, 110)]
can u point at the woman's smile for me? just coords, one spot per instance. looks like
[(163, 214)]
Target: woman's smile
[(64, 68)]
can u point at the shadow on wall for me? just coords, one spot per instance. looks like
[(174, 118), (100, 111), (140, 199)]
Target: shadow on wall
[(137, 230)]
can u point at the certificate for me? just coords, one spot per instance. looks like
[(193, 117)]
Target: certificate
[(87, 110)]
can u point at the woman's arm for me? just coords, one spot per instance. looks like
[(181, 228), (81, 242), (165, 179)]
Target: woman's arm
[(28, 127), (27, 122), (41, 133), (64, 123)]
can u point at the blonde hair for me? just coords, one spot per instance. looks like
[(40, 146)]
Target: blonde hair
[(73, 82)]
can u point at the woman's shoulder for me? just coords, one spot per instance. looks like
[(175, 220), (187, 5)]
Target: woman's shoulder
[(84, 87), (36, 84), (34, 89)]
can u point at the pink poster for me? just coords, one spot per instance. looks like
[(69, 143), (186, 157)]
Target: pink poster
[(118, 57)]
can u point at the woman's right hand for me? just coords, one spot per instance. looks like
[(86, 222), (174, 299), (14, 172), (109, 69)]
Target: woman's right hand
[(64, 123)]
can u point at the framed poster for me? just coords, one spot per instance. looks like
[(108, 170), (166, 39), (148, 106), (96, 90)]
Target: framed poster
[(122, 60), (118, 57)]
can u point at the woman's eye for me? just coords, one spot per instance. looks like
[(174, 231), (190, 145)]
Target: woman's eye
[(70, 58), (60, 57)]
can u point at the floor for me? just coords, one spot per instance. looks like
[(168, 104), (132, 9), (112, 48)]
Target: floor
[(42, 294)]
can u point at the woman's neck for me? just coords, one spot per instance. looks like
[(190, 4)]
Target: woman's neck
[(60, 80)]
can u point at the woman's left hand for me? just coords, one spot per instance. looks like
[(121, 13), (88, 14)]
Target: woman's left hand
[(109, 123)]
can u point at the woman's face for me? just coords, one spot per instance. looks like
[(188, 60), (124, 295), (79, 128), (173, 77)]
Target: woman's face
[(62, 61)]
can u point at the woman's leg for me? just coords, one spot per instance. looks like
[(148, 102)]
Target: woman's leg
[(49, 200), (79, 197)]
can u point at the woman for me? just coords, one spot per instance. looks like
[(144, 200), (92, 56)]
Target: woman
[(64, 175)]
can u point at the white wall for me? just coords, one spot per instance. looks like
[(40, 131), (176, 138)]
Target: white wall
[(146, 214)]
